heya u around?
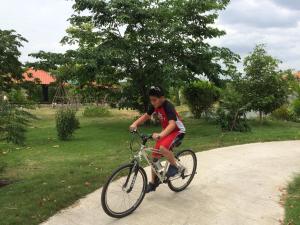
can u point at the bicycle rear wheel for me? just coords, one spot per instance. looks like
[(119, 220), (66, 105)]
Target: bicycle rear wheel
[(124, 191), (187, 161)]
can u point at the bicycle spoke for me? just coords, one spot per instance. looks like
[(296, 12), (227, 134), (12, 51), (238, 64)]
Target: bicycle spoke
[(121, 199), (185, 161)]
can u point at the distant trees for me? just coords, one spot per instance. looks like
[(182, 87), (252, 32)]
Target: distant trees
[(262, 87), (200, 96), (10, 66), (265, 88)]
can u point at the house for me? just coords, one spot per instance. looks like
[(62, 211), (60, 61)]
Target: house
[(297, 75), (40, 77)]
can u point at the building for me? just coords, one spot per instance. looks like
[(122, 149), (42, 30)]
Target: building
[(40, 77), (297, 75)]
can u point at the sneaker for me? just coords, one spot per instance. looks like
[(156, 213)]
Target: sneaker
[(172, 171), (152, 186)]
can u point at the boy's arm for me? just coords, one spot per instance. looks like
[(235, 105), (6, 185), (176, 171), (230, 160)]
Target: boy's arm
[(139, 121), (171, 126)]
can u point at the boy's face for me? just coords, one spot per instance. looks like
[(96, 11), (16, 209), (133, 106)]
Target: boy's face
[(157, 101)]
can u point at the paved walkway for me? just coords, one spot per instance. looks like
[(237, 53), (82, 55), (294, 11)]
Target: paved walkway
[(238, 185)]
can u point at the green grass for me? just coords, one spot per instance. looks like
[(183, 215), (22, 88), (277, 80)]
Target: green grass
[(50, 174), (292, 204)]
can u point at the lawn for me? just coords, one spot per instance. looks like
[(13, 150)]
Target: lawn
[(292, 204), (50, 175)]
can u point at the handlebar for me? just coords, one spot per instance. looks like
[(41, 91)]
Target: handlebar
[(144, 137)]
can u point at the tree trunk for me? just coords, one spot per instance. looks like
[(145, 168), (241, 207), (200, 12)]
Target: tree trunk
[(260, 117)]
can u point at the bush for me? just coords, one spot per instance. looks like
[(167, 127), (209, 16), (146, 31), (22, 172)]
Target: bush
[(232, 122), (200, 96), (231, 114), (284, 113), (66, 123), (296, 107), (94, 111)]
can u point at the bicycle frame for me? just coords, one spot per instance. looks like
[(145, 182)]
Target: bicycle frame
[(143, 154)]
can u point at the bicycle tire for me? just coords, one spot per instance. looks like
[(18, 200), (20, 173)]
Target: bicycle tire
[(106, 208), (191, 176)]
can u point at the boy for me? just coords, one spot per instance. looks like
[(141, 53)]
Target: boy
[(172, 128)]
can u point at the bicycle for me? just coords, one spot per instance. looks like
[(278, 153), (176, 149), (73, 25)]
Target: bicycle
[(130, 180)]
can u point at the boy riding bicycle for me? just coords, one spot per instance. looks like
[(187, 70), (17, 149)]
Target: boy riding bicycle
[(173, 129)]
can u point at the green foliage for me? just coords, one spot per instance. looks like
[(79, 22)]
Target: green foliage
[(14, 118), (10, 66), (96, 111), (164, 42), (174, 95), (231, 114), (265, 89), (284, 113), (200, 96), (296, 107), (66, 123)]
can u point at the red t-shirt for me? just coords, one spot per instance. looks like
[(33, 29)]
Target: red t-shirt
[(165, 113)]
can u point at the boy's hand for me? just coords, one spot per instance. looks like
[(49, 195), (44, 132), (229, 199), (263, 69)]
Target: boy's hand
[(156, 136), (133, 127)]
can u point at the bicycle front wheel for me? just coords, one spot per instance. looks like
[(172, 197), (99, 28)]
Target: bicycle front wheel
[(187, 162), (124, 191)]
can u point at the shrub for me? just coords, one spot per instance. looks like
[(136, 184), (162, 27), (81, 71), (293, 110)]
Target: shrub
[(284, 113), (66, 123), (200, 96), (94, 111), (231, 114), (296, 107), (232, 122), (14, 118)]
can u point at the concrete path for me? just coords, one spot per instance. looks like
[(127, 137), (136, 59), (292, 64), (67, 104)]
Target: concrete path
[(237, 185)]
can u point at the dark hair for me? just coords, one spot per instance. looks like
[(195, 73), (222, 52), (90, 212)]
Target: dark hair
[(156, 91)]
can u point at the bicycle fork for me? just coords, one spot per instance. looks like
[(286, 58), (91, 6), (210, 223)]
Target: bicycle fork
[(133, 170)]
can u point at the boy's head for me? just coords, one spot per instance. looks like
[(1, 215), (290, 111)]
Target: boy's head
[(157, 96)]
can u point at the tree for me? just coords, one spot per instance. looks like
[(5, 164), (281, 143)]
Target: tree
[(13, 116), (144, 43), (10, 66), (265, 88), (201, 95)]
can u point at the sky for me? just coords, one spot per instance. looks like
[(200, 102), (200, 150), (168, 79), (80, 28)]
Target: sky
[(275, 23)]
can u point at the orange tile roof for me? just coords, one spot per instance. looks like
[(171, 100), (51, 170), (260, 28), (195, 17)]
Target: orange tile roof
[(297, 74), (41, 75)]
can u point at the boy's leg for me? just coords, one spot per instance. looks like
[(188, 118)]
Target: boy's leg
[(168, 154), (161, 145)]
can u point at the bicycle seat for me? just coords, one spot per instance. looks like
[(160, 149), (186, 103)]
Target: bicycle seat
[(178, 141)]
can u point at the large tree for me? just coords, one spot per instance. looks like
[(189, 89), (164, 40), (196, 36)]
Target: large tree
[(10, 66), (147, 42), (265, 87)]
